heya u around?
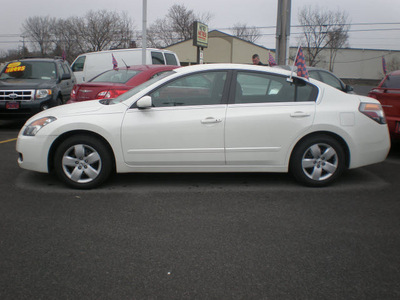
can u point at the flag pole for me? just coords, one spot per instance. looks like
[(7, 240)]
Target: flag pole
[(294, 63)]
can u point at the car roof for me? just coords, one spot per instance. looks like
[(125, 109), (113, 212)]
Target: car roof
[(227, 66), (149, 67)]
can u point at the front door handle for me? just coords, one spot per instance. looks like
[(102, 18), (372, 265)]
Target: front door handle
[(210, 120), (299, 114)]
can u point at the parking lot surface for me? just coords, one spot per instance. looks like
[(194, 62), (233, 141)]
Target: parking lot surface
[(199, 236)]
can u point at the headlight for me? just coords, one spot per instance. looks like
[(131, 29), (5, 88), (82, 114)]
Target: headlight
[(35, 126), (42, 93)]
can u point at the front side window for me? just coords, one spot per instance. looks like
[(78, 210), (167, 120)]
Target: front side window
[(116, 76), (157, 58), (204, 88), (254, 87), (78, 65)]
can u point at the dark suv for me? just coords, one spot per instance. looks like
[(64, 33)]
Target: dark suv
[(28, 86)]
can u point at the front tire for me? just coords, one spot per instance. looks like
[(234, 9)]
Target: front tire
[(83, 162), (317, 161)]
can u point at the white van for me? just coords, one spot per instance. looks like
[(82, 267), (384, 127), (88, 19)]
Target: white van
[(88, 65)]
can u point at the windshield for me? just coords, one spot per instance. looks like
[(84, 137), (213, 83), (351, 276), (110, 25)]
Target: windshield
[(139, 88), (392, 82), (115, 76), (29, 70)]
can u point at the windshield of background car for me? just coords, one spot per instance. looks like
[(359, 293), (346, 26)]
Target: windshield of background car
[(139, 88), (116, 76), (30, 70), (392, 82)]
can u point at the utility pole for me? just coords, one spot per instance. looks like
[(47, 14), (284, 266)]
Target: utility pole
[(283, 32), (144, 32)]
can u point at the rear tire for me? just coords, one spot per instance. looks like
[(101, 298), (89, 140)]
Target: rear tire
[(317, 161), (83, 162)]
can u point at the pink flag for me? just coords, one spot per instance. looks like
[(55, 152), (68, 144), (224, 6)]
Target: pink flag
[(301, 64), (114, 62)]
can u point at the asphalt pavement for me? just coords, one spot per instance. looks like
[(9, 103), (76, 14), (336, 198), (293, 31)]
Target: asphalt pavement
[(199, 236)]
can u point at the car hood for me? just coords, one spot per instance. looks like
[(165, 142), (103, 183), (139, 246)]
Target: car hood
[(67, 110), (10, 84)]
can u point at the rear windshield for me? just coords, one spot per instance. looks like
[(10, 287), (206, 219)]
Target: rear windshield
[(140, 87), (392, 82), (30, 70), (116, 76)]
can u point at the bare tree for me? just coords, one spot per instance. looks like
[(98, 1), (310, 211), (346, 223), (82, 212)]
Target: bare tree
[(39, 31), (251, 34), (176, 26), (323, 29)]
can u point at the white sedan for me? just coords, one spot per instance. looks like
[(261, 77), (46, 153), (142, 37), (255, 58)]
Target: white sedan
[(209, 118)]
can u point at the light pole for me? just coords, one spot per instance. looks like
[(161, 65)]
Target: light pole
[(144, 32), (283, 31)]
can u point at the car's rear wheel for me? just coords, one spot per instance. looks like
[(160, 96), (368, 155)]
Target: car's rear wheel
[(83, 162), (317, 160)]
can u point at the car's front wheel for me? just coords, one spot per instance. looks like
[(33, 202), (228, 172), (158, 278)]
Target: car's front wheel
[(83, 162), (317, 160)]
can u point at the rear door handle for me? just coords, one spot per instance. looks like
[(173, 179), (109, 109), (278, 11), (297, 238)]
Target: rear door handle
[(299, 114), (210, 120)]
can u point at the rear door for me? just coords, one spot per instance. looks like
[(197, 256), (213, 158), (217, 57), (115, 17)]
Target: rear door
[(265, 116)]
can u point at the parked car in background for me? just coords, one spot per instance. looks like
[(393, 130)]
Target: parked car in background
[(325, 77), (210, 118), (113, 83), (28, 86), (88, 65), (388, 94)]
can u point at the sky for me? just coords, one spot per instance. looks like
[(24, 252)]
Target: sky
[(366, 17)]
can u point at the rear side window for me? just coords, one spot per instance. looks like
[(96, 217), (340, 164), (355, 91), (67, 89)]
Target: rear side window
[(78, 65), (157, 58), (331, 80), (392, 82), (116, 76), (171, 59), (254, 87)]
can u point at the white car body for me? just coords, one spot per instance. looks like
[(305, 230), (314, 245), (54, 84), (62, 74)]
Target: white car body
[(226, 137)]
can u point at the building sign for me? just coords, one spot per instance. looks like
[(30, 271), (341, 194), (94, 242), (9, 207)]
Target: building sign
[(200, 35)]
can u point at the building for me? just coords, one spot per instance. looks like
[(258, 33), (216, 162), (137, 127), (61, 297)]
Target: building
[(222, 48), (353, 64)]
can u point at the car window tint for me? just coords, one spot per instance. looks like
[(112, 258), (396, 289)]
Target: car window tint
[(157, 58), (204, 88), (78, 65), (171, 59), (392, 82), (116, 76), (331, 80), (263, 88)]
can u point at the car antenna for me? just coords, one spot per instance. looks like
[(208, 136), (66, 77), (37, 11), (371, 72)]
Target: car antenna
[(125, 64)]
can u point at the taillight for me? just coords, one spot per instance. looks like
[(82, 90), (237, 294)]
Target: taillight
[(73, 94), (110, 94), (373, 111), (103, 94)]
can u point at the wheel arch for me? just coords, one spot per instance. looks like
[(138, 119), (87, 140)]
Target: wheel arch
[(64, 136), (337, 137)]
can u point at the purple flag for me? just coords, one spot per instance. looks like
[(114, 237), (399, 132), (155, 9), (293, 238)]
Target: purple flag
[(271, 60), (301, 64), (114, 62)]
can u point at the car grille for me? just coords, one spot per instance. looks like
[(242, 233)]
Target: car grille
[(20, 95)]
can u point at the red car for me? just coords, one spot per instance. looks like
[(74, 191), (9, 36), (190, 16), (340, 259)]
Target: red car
[(388, 94), (113, 83)]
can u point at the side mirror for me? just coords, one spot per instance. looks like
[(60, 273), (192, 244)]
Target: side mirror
[(349, 88), (144, 102), (65, 76)]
